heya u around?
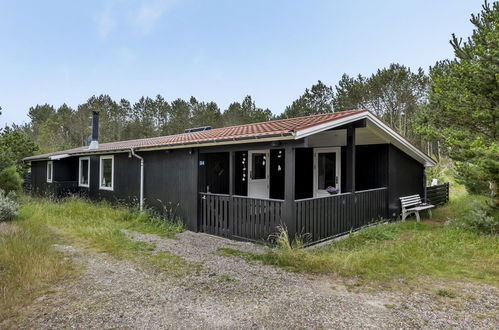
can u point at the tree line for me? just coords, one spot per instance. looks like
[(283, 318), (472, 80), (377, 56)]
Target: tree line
[(395, 94)]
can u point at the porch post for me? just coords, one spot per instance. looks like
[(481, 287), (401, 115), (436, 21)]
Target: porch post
[(231, 173), (350, 155), (289, 191), (231, 218), (424, 185)]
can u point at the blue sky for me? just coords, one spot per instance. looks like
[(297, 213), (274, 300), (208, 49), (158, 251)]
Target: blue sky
[(66, 51)]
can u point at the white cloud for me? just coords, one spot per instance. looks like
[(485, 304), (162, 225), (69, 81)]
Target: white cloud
[(149, 13), (106, 21), (140, 18)]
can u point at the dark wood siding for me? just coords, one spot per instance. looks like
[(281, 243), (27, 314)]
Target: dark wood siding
[(66, 169), (39, 177), (214, 172), (171, 180), (241, 170), (64, 177), (277, 173), (126, 180), (371, 166), (405, 177), (304, 173)]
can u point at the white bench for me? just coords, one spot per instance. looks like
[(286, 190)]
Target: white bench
[(414, 204)]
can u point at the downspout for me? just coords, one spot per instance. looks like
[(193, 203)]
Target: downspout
[(141, 198)]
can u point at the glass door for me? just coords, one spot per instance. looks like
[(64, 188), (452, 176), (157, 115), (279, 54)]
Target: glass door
[(258, 182)]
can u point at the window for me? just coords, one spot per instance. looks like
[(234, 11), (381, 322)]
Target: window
[(50, 171), (84, 172), (259, 169), (327, 170), (106, 177)]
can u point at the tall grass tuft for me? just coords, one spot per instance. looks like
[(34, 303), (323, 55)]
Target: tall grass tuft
[(29, 263), (407, 250)]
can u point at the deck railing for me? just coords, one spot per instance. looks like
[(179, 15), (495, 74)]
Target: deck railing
[(323, 217), (437, 195), (240, 216)]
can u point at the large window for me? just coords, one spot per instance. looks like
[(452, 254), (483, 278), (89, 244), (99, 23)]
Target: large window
[(106, 177), (327, 170), (84, 172), (50, 171)]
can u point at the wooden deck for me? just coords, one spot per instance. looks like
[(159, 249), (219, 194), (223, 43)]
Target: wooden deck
[(315, 218), (323, 217), (239, 216), (438, 195)]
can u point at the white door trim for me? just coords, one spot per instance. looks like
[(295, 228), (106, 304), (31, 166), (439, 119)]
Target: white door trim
[(318, 151), (265, 181)]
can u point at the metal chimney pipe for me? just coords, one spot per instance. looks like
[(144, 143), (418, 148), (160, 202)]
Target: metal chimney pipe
[(94, 144), (95, 126)]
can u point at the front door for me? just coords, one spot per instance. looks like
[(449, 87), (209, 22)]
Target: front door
[(327, 170), (258, 181)]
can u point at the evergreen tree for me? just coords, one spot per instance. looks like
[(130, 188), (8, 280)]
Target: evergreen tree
[(316, 100), (245, 113), (205, 114), (17, 145), (393, 94), (464, 102)]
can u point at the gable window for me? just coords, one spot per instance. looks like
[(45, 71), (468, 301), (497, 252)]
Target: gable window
[(84, 172), (50, 171), (106, 176)]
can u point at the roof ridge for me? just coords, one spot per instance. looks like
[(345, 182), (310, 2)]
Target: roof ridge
[(240, 125)]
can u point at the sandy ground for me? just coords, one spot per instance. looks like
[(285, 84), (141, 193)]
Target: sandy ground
[(231, 293)]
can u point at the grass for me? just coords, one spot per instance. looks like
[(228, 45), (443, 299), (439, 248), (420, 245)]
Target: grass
[(446, 293), (29, 263), (408, 250), (97, 226)]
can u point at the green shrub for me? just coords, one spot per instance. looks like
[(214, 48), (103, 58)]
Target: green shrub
[(10, 180), (436, 172), (6, 158), (9, 206), (481, 219), (468, 176)]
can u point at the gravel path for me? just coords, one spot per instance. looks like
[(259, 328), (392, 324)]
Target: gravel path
[(229, 292)]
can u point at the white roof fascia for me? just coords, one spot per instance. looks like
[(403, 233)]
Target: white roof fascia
[(416, 153), (332, 124), (427, 161), (57, 157)]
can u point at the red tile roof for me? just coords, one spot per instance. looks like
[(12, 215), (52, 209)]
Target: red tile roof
[(248, 131)]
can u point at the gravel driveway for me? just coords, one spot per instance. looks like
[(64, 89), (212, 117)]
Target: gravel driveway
[(229, 292)]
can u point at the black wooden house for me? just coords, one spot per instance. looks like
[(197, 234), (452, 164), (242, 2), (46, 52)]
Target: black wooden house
[(319, 175)]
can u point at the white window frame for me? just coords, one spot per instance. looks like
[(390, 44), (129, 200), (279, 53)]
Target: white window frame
[(50, 171), (101, 172), (319, 192), (80, 173)]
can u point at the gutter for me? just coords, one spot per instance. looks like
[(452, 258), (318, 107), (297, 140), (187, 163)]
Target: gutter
[(141, 197)]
